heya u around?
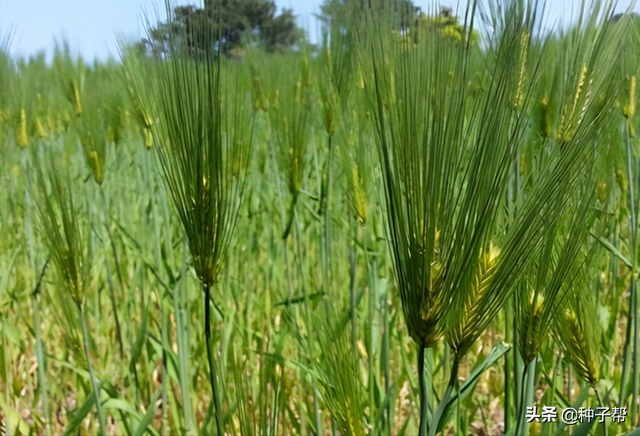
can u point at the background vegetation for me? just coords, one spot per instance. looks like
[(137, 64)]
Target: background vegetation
[(424, 225)]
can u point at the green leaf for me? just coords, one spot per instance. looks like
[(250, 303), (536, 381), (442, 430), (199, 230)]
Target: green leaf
[(584, 428), (582, 397), (469, 385), (4, 278), (118, 404), (14, 423), (80, 415), (613, 250), (141, 339), (146, 420), (299, 299)]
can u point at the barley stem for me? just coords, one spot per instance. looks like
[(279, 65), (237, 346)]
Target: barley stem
[(42, 376), (601, 403), (92, 377), (453, 381), (372, 311), (352, 291), (631, 346), (528, 387), (326, 225), (508, 384), (518, 371), (114, 309), (212, 376), (423, 427), (165, 360), (384, 361)]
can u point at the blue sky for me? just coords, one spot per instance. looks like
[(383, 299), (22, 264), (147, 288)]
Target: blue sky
[(92, 27)]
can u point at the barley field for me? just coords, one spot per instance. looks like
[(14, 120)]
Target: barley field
[(419, 226)]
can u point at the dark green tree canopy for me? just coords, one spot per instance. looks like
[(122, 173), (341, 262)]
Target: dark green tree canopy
[(226, 25), (336, 14)]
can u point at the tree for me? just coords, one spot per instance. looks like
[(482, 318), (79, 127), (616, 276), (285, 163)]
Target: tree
[(226, 25), (410, 19), (336, 14), (448, 25)]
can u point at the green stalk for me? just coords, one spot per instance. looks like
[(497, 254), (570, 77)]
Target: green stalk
[(550, 396), (601, 403), (92, 377), (634, 307), (114, 309), (352, 291), (372, 311), (165, 360), (326, 225), (4, 359), (423, 428), (290, 214), (384, 362), (42, 375), (212, 376), (508, 385), (520, 407), (636, 355), (316, 408), (529, 390), (518, 370), (453, 381), (458, 414), (528, 382), (631, 349)]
